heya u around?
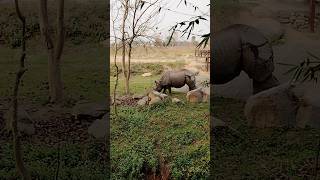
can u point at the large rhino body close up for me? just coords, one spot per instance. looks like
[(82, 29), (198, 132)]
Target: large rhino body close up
[(242, 48), (176, 79)]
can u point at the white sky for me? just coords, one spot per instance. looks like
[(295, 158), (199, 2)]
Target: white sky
[(177, 14), (171, 18)]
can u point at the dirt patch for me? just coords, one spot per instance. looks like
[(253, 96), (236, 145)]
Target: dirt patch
[(162, 173), (55, 128), (128, 101)]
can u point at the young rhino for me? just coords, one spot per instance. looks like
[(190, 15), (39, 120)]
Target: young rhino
[(176, 79)]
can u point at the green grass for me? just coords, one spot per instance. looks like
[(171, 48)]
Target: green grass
[(85, 22), (76, 161), (139, 84), (83, 72), (177, 133), (141, 136), (261, 153)]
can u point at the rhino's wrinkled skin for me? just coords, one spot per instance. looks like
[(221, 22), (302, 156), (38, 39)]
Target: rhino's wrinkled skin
[(176, 79), (242, 48)]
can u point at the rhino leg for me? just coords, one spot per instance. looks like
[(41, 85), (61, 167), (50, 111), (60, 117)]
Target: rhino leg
[(169, 90), (164, 89)]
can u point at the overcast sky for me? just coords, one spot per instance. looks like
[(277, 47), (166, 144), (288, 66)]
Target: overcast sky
[(181, 12)]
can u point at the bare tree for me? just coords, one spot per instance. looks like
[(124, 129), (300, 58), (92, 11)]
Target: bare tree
[(16, 139), (54, 50), (125, 5), (138, 21), (116, 48)]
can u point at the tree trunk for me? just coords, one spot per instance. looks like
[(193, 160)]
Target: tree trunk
[(123, 40), (54, 52), (16, 139), (312, 15), (54, 79)]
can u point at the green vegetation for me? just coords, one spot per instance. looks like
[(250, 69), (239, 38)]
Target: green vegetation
[(265, 153), (139, 84), (178, 133), (85, 21), (76, 161), (78, 79), (84, 74), (143, 137)]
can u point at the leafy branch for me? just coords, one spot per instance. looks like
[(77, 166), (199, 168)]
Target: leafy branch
[(307, 70), (188, 27)]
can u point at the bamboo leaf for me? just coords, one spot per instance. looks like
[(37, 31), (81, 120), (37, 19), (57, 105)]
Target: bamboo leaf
[(142, 4), (286, 64), (298, 75), (313, 55), (291, 70)]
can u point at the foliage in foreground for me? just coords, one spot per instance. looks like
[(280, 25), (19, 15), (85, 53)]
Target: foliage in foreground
[(179, 134), (76, 161), (275, 153)]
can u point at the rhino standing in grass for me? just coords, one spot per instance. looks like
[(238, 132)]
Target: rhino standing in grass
[(176, 79), (242, 48)]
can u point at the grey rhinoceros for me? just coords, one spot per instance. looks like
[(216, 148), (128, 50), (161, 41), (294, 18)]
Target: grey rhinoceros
[(176, 79), (239, 48)]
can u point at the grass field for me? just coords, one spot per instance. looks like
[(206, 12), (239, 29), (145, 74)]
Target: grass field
[(146, 139), (79, 80), (275, 153), (161, 139), (156, 54), (84, 74)]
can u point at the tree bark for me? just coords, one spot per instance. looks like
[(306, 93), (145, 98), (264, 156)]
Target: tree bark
[(54, 51), (123, 40), (24, 173), (312, 15)]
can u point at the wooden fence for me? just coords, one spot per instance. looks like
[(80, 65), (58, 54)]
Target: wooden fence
[(203, 54)]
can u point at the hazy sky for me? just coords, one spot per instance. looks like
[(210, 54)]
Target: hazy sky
[(180, 12), (171, 18)]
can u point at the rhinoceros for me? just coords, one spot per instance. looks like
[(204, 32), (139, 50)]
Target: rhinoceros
[(239, 48), (176, 79)]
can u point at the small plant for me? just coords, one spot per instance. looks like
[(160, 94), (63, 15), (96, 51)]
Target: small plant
[(205, 83)]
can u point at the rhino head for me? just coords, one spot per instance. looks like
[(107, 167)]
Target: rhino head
[(158, 87)]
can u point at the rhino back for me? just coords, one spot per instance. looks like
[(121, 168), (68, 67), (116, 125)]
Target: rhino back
[(177, 79), (226, 56), (226, 51)]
